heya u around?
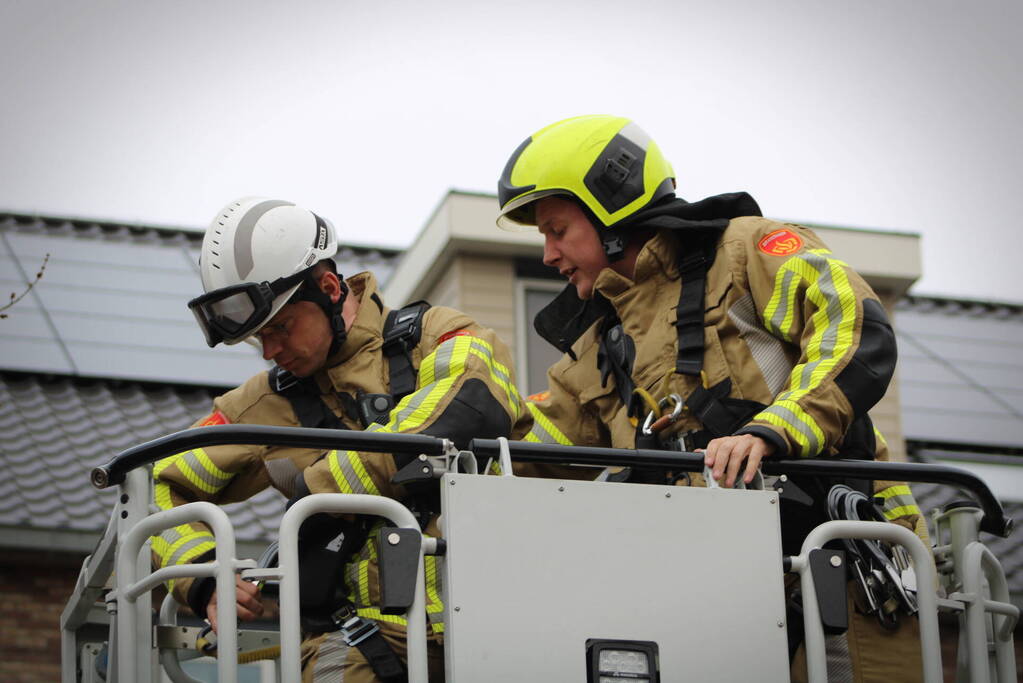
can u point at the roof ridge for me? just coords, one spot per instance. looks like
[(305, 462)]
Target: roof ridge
[(85, 226)]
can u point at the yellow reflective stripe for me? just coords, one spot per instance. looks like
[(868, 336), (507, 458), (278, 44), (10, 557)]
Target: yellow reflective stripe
[(901, 511), (433, 602), (360, 471), (376, 615), (364, 582), (162, 494), (794, 420), (879, 436), (833, 323), (350, 474), (899, 490), (193, 478), (425, 407), (543, 430), (207, 462), (335, 471), (498, 373), (163, 464)]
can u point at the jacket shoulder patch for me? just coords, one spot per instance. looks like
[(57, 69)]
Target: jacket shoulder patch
[(780, 243), (214, 418), (452, 335)]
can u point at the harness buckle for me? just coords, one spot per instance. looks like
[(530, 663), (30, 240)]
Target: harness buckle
[(354, 629)]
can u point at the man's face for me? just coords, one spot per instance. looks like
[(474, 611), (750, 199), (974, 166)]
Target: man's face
[(570, 243), (297, 338)]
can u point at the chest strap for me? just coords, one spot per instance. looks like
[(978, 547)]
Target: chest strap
[(689, 313), (305, 400)]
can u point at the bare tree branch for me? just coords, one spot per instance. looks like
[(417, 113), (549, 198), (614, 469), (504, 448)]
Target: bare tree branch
[(15, 297)]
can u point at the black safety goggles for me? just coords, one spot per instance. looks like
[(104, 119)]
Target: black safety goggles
[(233, 313)]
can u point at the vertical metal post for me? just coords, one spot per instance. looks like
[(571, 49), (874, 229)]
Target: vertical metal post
[(128, 659), (973, 658), (816, 660), (133, 507), (361, 504)]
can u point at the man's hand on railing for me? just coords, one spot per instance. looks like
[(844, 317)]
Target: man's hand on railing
[(247, 599)]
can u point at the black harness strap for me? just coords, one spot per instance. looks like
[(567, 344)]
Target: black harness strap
[(689, 313), (402, 331), (305, 400)]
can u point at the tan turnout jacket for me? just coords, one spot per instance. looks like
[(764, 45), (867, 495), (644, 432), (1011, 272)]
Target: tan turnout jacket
[(791, 325), (464, 382)]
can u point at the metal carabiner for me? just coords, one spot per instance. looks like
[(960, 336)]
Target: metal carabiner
[(676, 412)]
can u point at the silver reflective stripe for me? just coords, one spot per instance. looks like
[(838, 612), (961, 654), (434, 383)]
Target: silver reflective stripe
[(442, 359), (768, 351), (784, 299), (414, 401), (346, 468), (282, 473), (214, 481), (243, 235), (171, 536), (893, 502), (814, 444), (826, 284), (330, 659), (188, 545)]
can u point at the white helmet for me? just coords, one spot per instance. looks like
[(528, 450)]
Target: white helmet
[(255, 255)]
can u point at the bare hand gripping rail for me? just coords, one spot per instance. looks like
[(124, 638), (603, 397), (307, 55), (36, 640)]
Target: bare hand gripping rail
[(994, 520), (112, 473)]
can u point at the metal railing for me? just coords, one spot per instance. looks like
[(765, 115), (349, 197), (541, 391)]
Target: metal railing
[(972, 577)]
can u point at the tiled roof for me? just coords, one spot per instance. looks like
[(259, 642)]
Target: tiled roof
[(111, 302), (55, 430)]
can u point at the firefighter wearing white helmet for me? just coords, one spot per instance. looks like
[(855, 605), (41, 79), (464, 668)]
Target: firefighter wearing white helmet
[(255, 257), (706, 326), (342, 361)]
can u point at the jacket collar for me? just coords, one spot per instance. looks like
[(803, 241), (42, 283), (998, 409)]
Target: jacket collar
[(692, 224), (365, 333)]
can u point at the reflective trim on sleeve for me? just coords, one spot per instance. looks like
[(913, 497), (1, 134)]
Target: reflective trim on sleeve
[(898, 502), (833, 323), (350, 474), (500, 374), (543, 430), (794, 420), (197, 467)]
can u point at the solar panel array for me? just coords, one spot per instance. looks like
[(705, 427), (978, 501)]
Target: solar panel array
[(112, 303)]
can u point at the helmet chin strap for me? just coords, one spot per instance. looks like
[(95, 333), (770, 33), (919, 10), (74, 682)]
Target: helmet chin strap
[(613, 241), (310, 291)]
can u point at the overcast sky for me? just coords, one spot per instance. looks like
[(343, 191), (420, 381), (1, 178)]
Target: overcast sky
[(901, 115)]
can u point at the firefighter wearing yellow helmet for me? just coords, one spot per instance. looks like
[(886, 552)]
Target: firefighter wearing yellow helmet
[(342, 360), (708, 326)]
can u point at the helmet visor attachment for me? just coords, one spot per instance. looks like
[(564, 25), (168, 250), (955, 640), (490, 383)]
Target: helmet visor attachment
[(230, 314)]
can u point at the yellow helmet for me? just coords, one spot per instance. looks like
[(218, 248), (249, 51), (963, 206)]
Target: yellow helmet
[(607, 162)]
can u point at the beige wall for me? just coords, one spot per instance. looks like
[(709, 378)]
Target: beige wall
[(482, 287)]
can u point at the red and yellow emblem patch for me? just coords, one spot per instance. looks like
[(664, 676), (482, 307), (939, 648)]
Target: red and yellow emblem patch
[(215, 418), (542, 396), (780, 243), (452, 335)]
